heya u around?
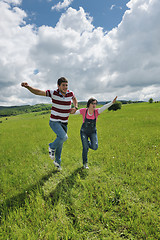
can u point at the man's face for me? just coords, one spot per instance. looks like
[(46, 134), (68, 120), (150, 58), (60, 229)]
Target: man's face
[(63, 87)]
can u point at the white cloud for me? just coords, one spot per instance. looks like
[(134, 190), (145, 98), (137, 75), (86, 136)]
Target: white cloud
[(79, 21), (113, 6), (15, 43), (62, 5), (15, 2), (123, 62)]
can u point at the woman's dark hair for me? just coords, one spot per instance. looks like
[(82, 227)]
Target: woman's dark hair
[(62, 79), (91, 100)]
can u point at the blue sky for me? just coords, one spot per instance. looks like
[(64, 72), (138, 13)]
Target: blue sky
[(105, 48), (106, 13)]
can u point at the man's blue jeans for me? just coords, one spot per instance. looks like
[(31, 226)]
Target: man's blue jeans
[(60, 130), (93, 144)]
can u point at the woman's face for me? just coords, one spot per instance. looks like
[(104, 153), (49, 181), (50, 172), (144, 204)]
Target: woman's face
[(93, 104)]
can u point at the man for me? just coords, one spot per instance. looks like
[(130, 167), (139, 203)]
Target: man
[(61, 107)]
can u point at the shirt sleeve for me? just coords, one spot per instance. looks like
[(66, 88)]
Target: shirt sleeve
[(73, 96), (104, 107), (97, 112), (77, 112), (48, 93)]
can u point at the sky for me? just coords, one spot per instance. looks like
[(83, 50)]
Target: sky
[(104, 48)]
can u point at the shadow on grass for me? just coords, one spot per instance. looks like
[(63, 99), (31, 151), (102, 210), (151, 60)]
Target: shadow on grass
[(64, 187), (19, 200), (63, 192)]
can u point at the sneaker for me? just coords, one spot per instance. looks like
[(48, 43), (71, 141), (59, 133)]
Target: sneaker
[(85, 166), (59, 168), (57, 165), (51, 153)]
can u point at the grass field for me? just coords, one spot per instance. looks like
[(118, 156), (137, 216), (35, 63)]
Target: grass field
[(117, 198)]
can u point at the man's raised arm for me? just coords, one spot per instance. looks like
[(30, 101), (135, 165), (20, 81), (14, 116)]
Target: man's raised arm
[(33, 90)]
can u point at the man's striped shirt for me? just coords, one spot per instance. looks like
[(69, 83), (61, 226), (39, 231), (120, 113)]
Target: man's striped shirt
[(61, 105)]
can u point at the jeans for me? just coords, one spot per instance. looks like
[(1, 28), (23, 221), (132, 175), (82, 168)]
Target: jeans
[(60, 129), (93, 143)]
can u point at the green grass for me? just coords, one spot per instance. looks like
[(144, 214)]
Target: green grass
[(117, 198)]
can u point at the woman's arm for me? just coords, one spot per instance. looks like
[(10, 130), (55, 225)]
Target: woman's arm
[(106, 106), (77, 112), (74, 111)]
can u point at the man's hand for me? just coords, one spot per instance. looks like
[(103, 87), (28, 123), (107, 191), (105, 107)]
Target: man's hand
[(114, 100), (24, 84), (73, 110)]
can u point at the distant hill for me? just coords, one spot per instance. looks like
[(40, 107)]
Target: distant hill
[(15, 110), (104, 102)]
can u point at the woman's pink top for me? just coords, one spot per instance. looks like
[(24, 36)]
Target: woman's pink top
[(83, 112)]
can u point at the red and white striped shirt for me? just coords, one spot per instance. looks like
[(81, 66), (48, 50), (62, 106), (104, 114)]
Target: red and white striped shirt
[(61, 105)]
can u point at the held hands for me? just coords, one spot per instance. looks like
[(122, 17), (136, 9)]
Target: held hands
[(73, 110), (114, 100)]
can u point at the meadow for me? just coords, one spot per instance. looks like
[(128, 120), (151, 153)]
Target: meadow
[(117, 198)]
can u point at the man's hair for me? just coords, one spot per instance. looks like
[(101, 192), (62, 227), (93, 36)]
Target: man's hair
[(62, 79), (90, 101)]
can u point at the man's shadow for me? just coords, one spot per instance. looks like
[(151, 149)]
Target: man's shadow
[(63, 192), (19, 200), (65, 186)]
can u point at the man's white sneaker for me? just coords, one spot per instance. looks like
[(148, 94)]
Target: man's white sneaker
[(85, 166), (59, 168), (57, 165), (51, 153)]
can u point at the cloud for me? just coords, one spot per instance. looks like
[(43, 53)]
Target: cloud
[(15, 2), (114, 6), (123, 62), (15, 43), (62, 5)]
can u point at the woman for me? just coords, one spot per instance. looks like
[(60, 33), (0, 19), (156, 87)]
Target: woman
[(88, 128)]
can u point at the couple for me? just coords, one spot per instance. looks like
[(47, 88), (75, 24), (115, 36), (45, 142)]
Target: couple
[(62, 99)]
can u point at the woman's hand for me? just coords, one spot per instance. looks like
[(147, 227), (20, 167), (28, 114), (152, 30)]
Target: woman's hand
[(114, 100)]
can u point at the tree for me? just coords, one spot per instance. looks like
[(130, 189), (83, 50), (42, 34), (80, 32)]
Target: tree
[(117, 105), (151, 100)]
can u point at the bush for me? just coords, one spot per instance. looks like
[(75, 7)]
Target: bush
[(151, 100), (117, 105)]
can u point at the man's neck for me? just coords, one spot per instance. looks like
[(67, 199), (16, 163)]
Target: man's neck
[(63, 93)]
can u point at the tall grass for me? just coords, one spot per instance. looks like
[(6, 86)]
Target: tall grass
[(117, 198)]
